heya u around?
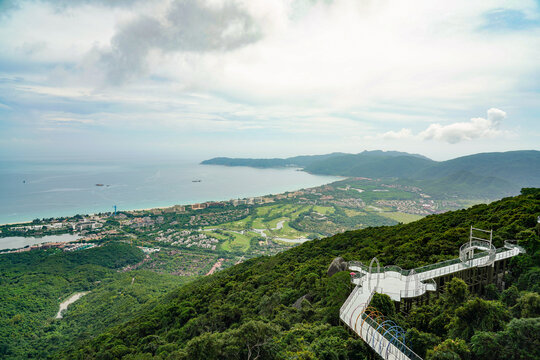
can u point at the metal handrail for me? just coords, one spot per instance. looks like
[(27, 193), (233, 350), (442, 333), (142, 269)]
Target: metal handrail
[(424, 276), (390, 337), (512, 244), (438, 265), (426, 285), (346, 303), (489, 250), (486, 248)]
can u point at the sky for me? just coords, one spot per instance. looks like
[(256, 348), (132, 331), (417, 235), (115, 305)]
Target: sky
[(82, 79)]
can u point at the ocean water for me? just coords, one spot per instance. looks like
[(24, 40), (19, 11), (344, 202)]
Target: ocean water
[(30, 190), (15, 242)]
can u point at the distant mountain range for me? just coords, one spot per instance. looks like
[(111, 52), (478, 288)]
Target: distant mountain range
[(489, 175)]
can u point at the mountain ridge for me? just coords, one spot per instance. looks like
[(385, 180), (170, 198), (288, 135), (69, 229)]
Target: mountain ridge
[(300, 160), (497, 173)]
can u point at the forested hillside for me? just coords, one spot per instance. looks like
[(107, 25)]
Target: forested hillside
[(518, 167), (370, 165), (328, 163), (464, 183), (286, 307), (491, 175), (298, 161), (35, 282)]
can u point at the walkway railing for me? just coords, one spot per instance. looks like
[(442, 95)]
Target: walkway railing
[(353, 295), (387, 339), (382, 335), (449, 266), (427, 285), (466, 252), (512, 244)]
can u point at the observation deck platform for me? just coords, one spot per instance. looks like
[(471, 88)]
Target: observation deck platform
[(385, 337)]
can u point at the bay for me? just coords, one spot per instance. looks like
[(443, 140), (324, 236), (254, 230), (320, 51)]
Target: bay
[(15, 242), (30, 190)]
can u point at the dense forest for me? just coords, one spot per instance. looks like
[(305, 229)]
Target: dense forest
[(286, 306), (34, 283)]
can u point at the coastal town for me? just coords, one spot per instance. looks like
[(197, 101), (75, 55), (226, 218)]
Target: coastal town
[(238, 229)]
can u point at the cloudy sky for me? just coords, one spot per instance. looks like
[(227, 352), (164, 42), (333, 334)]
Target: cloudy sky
[(259, 78)]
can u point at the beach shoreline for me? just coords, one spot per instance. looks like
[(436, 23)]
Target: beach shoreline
[(164, 207), (65, 192)]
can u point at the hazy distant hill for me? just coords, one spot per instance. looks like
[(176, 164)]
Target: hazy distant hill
[(307, 160), (297, 161), (464, 183), (518, 167), (486, 175), (370, 165)]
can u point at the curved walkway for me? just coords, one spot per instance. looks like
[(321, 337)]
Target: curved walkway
[(382, 335)]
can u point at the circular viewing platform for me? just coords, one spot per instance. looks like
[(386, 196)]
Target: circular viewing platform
[(477, 253)]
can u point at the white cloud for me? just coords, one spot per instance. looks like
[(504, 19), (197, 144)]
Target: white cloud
[(462, 131), (62, 119), (454, 133), (402, 134), (335, 70), (344, 54), (348, 55), (190, 26)]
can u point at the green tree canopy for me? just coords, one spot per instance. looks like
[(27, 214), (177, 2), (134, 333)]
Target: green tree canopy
[(478, 315)]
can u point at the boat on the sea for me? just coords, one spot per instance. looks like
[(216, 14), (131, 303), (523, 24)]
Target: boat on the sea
[(196, 180), (100, 185)]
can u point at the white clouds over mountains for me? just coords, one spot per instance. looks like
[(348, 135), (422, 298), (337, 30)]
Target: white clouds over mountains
[(462, 131), (476, 128), (395, 135)]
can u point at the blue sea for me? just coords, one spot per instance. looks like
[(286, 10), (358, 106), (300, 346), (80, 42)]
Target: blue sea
[(30, 190)]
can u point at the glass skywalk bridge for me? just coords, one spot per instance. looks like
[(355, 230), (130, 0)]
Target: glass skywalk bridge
[(385, 337)]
